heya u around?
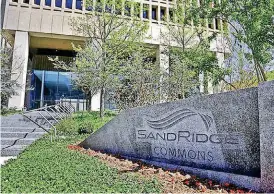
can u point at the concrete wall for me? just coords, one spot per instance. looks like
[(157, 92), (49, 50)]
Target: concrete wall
[(54, 20)]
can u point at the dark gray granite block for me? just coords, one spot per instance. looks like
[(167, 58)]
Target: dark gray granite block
[(217, 134), (266, 112)]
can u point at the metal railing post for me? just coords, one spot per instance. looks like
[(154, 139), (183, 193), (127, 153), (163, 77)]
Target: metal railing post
[(23, 114), (50, 115), (57, 108), (56, 113), (64, 111), (48, 122), (65, 107), (72, 107)]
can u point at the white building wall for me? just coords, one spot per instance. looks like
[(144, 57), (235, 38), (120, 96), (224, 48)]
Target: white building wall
[(54, 20), (95, 102), (19, 68)]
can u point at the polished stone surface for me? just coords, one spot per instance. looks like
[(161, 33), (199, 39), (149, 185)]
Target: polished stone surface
[(266, 112), (216, 134)]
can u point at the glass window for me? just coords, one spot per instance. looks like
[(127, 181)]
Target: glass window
[(137, 7), (171, 17), (69, 4), (154, 13), (128, 9), (163, 13), (99, 6), (58, 3), (48, 2), (56, 85), (37, 2), (108, 8), (145, 11), (210, 24), (79, 4), (217, 24)]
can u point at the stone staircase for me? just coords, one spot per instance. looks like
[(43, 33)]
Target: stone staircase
[(17, 132)]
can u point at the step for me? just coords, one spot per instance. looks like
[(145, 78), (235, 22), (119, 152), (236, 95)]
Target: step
[(13, 150), (14, 116), (11, 141), (21, 129), (24, 119), (33, 115), (36, 116), (3, 147), (17, 129), (21, 134), (25, 124), (18, 120), (10, 152)]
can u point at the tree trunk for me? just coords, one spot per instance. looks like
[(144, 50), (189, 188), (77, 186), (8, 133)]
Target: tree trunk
[(102, 102), (261, 72), (205, 83), (88, 101), (259, 69)]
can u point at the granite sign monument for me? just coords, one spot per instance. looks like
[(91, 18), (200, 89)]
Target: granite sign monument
[(228, 137)]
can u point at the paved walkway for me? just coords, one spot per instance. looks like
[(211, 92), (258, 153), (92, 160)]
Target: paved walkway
[(17, 132)]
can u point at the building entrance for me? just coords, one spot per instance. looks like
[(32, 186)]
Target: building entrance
[(51, 86)]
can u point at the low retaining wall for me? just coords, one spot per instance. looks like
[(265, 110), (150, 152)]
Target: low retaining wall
[(227, 137)]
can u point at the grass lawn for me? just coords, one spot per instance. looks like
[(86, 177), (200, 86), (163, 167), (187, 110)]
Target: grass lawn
[(47, 166)]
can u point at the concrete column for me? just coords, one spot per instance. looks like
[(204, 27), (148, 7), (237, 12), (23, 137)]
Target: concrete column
[(28, 85), (42, 90), (163, 60), (95, 102), (221, 58), (19, 68)]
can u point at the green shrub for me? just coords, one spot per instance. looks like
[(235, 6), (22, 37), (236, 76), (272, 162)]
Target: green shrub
[(80, 121), (67, 127), (270, 75), (4, 111)]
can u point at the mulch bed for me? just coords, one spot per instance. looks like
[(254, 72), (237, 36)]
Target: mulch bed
[(172, 181)]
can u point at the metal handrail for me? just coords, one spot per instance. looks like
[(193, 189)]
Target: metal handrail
[(60, 110), (34, 122), (48, 122)]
